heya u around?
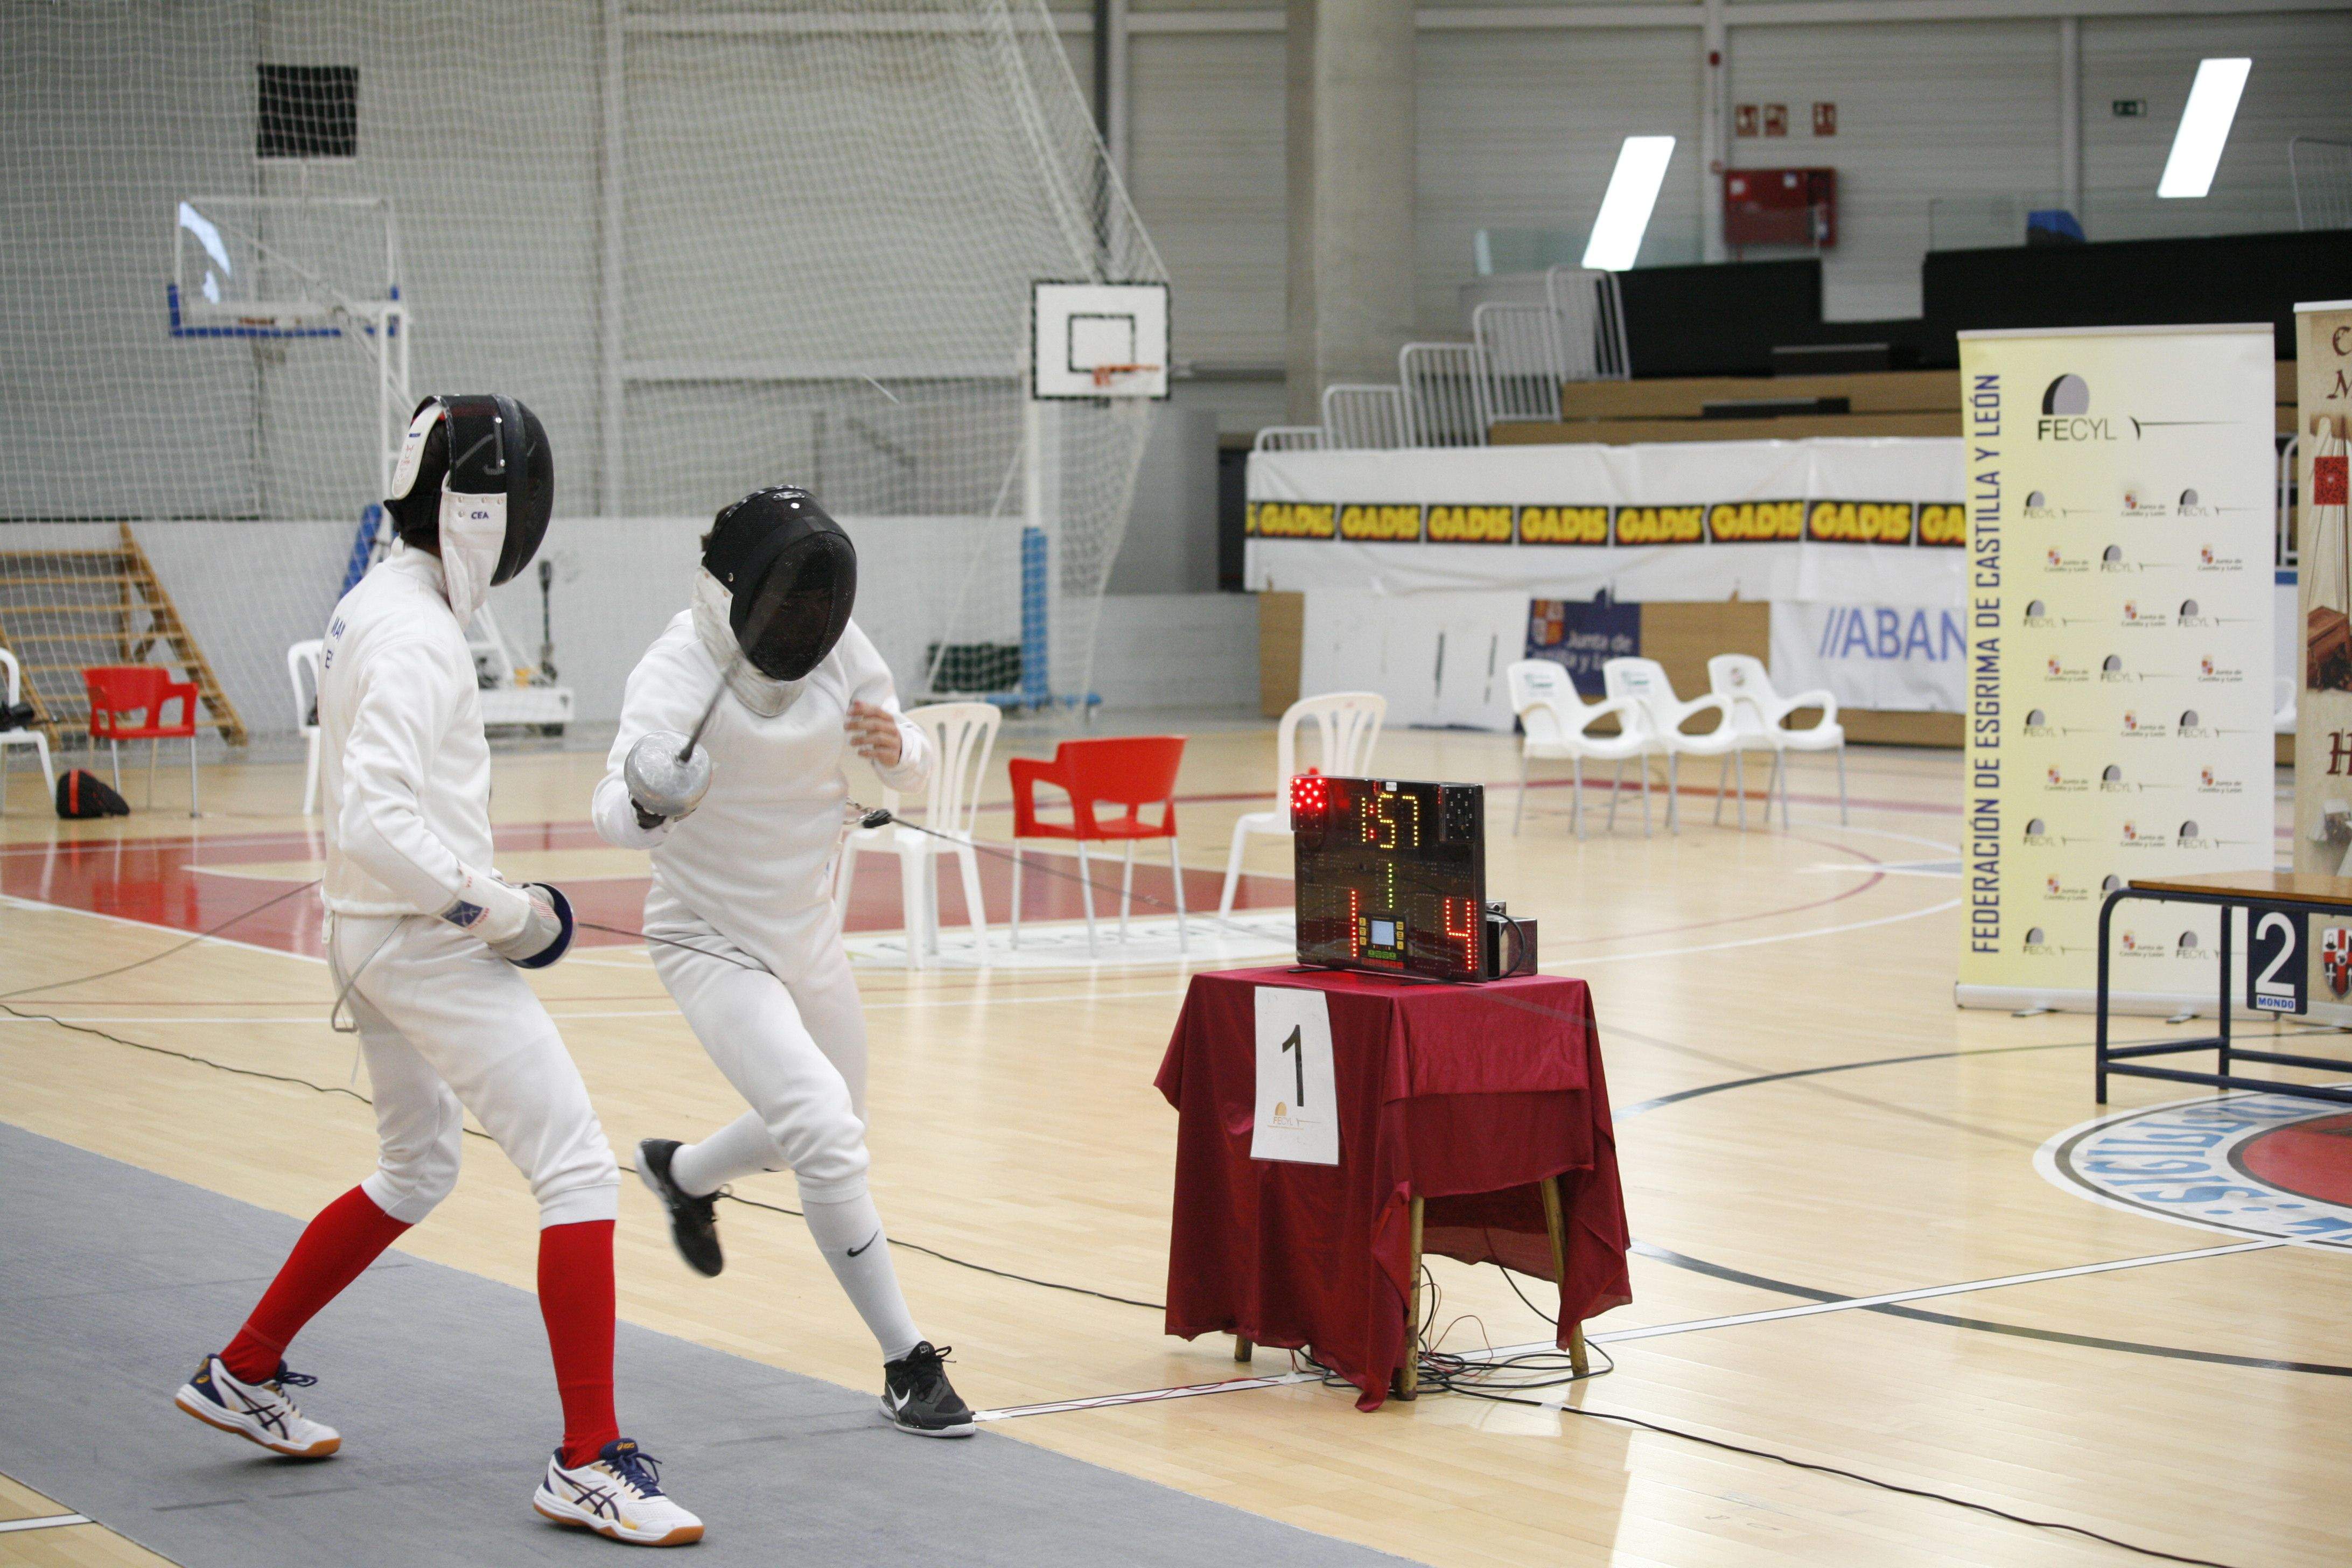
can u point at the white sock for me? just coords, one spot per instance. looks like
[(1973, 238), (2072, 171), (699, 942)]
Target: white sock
[(871, 1282), (741, 1148)]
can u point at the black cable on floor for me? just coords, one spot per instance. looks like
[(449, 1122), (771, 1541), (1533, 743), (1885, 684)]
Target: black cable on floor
[(1459, 1375), (1849, 1475), (733, 1196), (209, 931), (187, 1055), (476, 1132)]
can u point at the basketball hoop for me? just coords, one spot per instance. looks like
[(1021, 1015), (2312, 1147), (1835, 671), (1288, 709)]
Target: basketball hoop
[(1104, 373)]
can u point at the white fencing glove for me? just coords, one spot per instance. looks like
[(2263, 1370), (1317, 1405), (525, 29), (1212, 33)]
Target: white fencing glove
[(530, 926)]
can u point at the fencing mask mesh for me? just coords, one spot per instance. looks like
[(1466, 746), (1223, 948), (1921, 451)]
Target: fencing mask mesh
[(792, 574)]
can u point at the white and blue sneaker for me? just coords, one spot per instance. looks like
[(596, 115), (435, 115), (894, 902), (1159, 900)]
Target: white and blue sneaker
[(618, 1495), (257, 1412)]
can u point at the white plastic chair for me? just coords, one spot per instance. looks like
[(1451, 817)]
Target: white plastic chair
[(1348, 725), (1642, 681), (1557, 721), (303, 658), (962, 735), (1743, 680), (27, 736), (1739, 680)]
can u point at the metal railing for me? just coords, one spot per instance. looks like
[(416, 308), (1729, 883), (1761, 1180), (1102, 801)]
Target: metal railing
[(1521, 344), (1445, 402), (1590, 313), (1291, 439), (2286, 553), (1361, 418), (1451, 395), (2321, 170)]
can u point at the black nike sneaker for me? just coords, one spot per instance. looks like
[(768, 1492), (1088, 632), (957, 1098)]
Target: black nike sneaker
[(692, 1223), (917, 1397)]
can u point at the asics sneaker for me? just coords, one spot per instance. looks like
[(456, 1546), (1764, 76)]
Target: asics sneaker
[(917, 1397), (693, 1227), (618, 1495), (257, 1412)]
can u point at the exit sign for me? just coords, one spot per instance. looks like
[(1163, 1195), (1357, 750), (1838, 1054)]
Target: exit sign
[(2131, 108)]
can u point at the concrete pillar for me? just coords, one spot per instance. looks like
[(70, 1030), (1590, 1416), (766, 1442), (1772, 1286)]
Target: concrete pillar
[(1351, 150)]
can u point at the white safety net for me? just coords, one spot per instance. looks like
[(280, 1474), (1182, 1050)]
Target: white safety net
[(713, 246)]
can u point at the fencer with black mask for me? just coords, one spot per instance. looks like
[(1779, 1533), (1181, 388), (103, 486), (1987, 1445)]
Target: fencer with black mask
[(727, 768), (427, 944)]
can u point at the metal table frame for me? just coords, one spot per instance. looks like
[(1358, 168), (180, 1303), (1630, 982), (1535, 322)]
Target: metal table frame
[(2125, 1060)]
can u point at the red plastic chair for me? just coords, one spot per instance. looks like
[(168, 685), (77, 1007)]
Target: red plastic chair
[(1129, 771), (127, 703)]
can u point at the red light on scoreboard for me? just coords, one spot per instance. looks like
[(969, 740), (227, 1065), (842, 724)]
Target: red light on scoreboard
[(1461, 917), (1310, 796)]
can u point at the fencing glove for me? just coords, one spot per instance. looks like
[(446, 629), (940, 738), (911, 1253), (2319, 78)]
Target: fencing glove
[(531, 927)]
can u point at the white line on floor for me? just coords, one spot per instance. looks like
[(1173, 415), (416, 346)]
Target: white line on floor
[(1657, 1331), (1569, 965), (1144, 1396), (1891, 1298), (54, 1521)]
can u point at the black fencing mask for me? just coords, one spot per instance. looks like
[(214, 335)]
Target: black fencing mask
[(497, 488), (792, 574)]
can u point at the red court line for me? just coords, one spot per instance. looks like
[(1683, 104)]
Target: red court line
[(161, 882)]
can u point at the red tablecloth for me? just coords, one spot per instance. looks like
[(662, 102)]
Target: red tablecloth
[(1462, 1095)]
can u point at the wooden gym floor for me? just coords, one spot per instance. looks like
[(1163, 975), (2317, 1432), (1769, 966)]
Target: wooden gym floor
[(1804, 1119)]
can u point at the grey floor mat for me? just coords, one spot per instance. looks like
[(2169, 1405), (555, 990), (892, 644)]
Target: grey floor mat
[(114, 1280)]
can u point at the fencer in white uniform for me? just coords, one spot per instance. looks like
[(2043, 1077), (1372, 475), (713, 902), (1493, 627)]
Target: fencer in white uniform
[(426, 944), (743, 829)]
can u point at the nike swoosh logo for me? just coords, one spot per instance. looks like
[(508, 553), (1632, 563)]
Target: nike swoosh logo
[(901, 1401), (866, 1242)]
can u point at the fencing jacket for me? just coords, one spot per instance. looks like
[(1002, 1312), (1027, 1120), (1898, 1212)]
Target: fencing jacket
[(751, 859), (405, 766)]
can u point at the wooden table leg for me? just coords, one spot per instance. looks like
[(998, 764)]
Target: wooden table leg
[(1409, 1375), (1556, 1227), (1242, 1348)]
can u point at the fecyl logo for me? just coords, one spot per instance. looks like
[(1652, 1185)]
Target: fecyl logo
[(2065, 413)]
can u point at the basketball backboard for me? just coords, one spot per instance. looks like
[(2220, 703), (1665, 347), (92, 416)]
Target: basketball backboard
[(1098, 340)]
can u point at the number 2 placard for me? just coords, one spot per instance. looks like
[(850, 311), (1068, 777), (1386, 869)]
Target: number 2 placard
[(2275, 961), (1298, 1106)]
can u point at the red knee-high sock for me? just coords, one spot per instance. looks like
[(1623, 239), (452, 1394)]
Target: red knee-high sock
[(347, 1235), (575, 1297)]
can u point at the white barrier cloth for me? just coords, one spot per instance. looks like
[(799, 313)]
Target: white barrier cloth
[(1875, 520), (1891, 658)]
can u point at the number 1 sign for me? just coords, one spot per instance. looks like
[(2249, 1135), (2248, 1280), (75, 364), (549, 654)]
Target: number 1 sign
[(1297, 1104)]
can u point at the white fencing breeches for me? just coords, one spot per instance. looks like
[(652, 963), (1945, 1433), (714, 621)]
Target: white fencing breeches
[(794, 1046), (448, 1027)]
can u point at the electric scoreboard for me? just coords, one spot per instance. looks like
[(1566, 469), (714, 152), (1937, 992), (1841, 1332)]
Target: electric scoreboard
[(1391, 876)]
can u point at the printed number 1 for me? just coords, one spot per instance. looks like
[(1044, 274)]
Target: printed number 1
[(1297, 1065)]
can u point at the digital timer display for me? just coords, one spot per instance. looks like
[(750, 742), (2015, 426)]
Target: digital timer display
[(1392, 875)]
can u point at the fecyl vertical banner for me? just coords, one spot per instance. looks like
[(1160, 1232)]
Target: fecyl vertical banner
[(2120, 611)]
